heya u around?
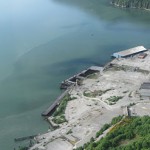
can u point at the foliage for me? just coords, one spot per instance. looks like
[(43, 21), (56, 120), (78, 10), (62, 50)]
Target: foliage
[(142, 4), (59, 119), (129, 134), (132, 104), (106, 126), (113, 99), (93, 76), (95, 93), (58, 115), (61, 108), (116, 120)]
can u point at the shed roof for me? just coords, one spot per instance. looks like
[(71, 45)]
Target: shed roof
[(145, 85), (132, 51), (96, 68)]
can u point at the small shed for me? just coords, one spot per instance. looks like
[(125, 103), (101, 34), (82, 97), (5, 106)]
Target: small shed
[(129, 52), (145, 89)]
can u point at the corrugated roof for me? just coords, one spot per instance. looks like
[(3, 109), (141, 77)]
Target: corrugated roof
[(96, 68), (132, 51), (145, 85)]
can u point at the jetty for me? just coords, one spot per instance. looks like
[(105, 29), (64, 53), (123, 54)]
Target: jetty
[(80, 76), (49, 111), (68, 85)]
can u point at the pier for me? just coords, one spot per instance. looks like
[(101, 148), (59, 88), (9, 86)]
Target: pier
[(69, 84), (53, 107), (80, 76)]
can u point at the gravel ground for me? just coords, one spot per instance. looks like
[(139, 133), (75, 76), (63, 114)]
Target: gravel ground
[(87, 114)]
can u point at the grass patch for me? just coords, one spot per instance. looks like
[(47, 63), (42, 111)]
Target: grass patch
[(132, 104), (127, 141), (59, 119), (106, 126), (95, 93), (131, 133), (100, 132), (62, 107), (69, 132), (113, 99), (143, 71), (93, 76), (58, 115), (72, 98)]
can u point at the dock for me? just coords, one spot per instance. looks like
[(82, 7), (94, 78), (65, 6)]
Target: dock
[(80, 76), (69, 84), (53, 107)]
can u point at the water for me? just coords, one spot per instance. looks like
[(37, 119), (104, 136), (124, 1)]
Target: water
[(44, 42)]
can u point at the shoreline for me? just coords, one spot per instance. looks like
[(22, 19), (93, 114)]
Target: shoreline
[(97, 101), (125, 7)]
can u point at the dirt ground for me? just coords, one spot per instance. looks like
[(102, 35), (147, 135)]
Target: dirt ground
[(94, 104)]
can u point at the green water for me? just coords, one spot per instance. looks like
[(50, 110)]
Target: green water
[(42, 42)]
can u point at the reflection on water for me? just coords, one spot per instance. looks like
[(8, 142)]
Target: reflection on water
[(44, 42)]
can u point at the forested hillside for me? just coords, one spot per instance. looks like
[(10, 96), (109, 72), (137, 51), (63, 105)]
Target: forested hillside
[(142, 4), (129, 134)]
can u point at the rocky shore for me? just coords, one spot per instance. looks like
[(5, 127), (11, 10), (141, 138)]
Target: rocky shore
[(140, 4)]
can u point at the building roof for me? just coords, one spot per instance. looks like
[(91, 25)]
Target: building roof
[(132, 51), (96, 68), (145, 85)]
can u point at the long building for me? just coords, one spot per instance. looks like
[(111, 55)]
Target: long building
[(129, 52), (145, 89)]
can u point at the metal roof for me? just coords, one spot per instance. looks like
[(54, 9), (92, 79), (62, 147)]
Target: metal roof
[(145, 85), (96, 68), (132, 51)]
